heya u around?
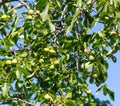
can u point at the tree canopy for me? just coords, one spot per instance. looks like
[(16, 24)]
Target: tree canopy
[(49, 53)]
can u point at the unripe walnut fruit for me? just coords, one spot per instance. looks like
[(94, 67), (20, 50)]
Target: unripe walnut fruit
[(41, 60), (52, 51), (91, 57), (56, 62), (8, 62), (29, 17), (46, 49), (52, 67), (30, 12), (95, 75)]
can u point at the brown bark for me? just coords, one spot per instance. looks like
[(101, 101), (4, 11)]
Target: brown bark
[(6, 1)]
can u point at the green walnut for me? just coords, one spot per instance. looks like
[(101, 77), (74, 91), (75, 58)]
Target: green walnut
[(41, 61), (56, 62), (52, 66), (29, 17), (46, 49), (30, 12), (95, 76), (8, 62), (91, 57), (52, 51)]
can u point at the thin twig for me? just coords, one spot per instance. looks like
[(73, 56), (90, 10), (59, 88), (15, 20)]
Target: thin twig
[(25, 4), (63, 15), (26, 48), (63, 12), (24, 101), (18, 6)]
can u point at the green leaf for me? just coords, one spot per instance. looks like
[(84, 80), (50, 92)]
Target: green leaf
[(74, 17), (110, 93), (114, 59), (58, 3), (69, 103), (8, 43), (33, 36), (104, 90), (99, 89), (17, 32), (110, 52), (18, 74), (44, 15), (67, 84), (91, 80), (86, 65), (79, 2), (13, 34), (88, 22), (93, 104), (25, 91), (69, 29), (68, 94), (31, 75), (41, 4), (22, 54), (52, 26), (15, 23), (23, 70), (111, 2), (5, 89)]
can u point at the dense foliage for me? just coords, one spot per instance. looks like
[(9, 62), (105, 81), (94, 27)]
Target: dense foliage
[(49, 53)]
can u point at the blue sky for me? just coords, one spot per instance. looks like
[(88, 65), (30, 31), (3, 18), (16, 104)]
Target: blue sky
[(112, 82), (114, 78), (113, 75)]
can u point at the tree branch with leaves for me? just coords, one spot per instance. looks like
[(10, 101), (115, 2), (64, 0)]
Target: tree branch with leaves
[(48, 54)]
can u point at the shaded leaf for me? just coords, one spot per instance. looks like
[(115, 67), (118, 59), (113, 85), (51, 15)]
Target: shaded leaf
[(41, 4), (110, 93)]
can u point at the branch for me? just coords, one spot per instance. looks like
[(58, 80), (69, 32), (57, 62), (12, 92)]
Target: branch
[(17, 6), (20, 49), (16, 99), (25, 4), (63, 15), (6, 1), (24, 101), (21, 1)]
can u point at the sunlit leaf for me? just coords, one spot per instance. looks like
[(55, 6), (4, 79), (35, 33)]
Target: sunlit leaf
[(52, 27), (44, 13), (5, 89), (18, 74)]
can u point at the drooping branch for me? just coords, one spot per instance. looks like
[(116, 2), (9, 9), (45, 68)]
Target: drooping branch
[(6, 1), (21, 3)]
